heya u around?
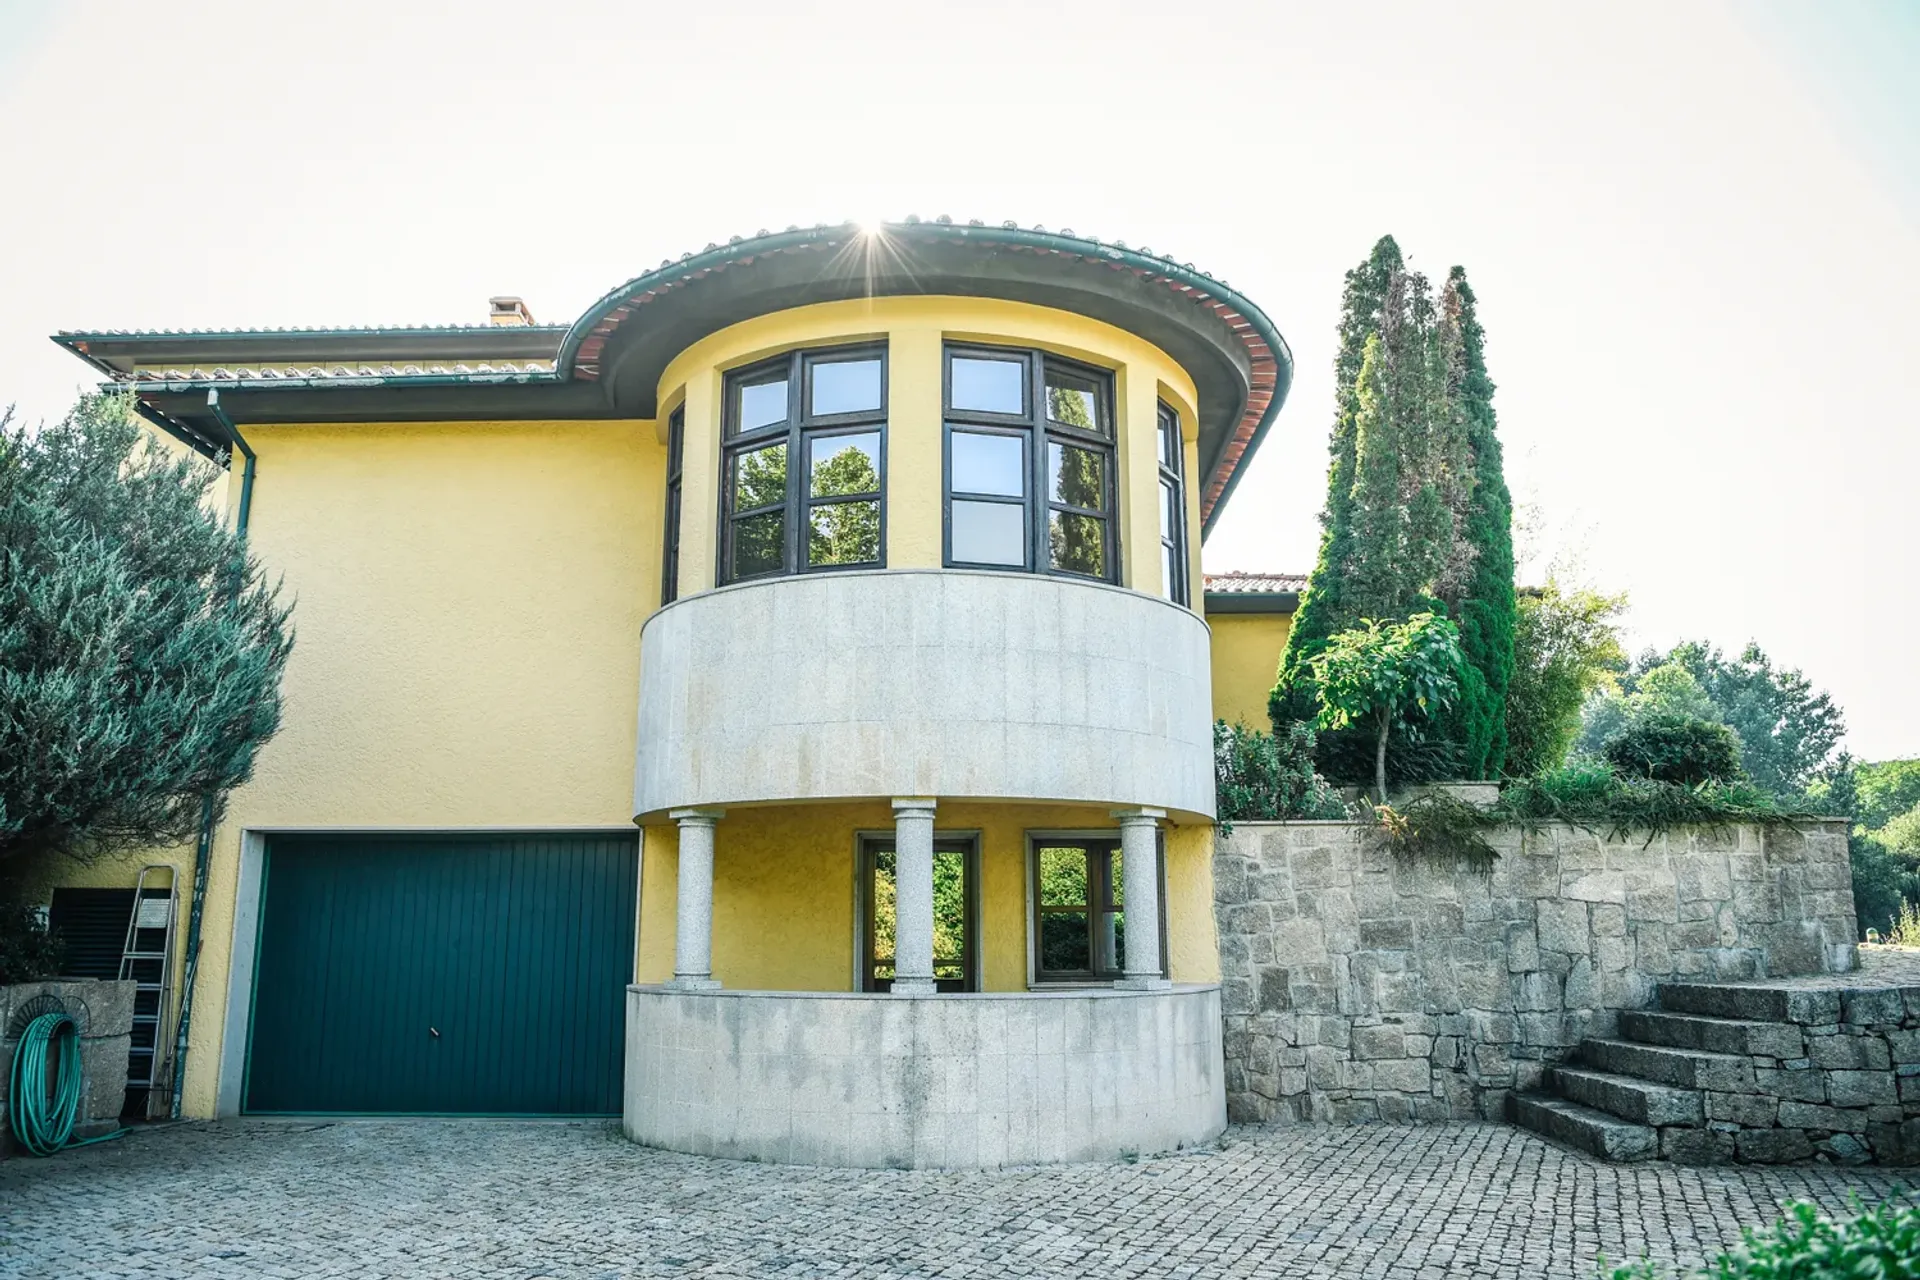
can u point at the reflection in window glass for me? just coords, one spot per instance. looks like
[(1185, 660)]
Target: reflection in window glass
[(760, 477), (843, 533), (844, 464), (989, 386), (989, 533), (1168, 497), (1065, 946), (1063, 876), (757, 543), (989, 464), (1076, 477), (1077, 543), (845, 386), (760, 404), (1072, 401)]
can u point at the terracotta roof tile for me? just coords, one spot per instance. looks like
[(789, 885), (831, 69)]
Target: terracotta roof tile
[(1242, 582)]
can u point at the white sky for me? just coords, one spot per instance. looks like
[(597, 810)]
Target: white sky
[(1694, 228)]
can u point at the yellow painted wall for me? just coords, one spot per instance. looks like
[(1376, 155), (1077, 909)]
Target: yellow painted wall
[(914, 331), (1246, 657), (468, 609), (784, 893)]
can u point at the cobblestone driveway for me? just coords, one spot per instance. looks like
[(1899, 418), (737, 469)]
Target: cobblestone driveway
[(489, 1198)]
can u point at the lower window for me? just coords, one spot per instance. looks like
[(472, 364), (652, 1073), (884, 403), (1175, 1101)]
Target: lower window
[(954, 965), (1079, 909)]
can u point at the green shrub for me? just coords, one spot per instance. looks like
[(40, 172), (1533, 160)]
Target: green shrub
[(1676, 748), (1261, 778), (1806, 1245)]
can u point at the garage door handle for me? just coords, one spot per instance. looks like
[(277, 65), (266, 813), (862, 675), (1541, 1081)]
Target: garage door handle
[(434, 1032)]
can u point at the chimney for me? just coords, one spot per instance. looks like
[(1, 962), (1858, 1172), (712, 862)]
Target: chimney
[(508, 311)]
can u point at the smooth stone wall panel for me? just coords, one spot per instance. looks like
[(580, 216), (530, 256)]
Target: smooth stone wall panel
[(924, 1082), (944, 683)]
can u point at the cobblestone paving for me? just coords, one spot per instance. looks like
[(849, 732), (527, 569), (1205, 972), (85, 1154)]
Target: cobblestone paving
[(494, 1198)]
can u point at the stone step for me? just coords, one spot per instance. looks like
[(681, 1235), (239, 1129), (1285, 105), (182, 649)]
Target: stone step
[(1681, 1068), (1714, 1035), (1629, 1098), (1752, 1002), (1594, 1132)]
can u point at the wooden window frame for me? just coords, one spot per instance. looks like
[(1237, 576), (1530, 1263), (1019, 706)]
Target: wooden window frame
[(1037, 432), (866, 844), (1172, 478), (799, 429), (676, 473), (1100, 888)]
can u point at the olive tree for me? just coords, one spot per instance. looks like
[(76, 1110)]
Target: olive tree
[(141, 648)]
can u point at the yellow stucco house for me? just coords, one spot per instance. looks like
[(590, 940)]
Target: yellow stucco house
[(774, 708)]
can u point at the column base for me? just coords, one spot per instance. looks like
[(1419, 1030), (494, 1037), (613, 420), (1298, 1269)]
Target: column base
[(1141, 984), (678, 983), (913, 987)]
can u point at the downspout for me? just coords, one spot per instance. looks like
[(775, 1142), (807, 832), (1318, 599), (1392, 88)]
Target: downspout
[(203, 847)]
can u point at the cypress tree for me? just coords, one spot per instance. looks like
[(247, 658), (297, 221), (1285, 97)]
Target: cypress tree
[(1483, 601), (1323, 609)]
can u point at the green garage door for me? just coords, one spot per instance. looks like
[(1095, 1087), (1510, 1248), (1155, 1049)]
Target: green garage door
[(479, 975)]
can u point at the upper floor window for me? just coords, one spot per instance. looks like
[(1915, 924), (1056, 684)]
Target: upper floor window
[(676, 451), (803, 464), (1029, 464), (1173, 509)]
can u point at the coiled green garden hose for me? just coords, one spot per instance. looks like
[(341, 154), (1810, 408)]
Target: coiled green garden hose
[(42, 1118)]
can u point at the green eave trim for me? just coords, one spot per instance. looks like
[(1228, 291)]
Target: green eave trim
[(1252, 602)]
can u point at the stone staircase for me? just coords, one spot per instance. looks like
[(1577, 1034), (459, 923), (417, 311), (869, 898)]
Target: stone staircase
[(1752, 1072)]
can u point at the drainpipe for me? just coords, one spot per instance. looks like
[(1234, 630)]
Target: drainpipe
[(203, 846)]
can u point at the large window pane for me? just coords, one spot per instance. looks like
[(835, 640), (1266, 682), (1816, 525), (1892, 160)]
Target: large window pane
[(760, 404), (1064, 942), (989, 386), (844, 464), (1167, 580), (989, 464), (760, 477), (1077, 477), (1168, 435), (844, 533), (989, 532), (1073, 401), (949, 912), (1063, 876), (1169, 500), (1078, 543), (845, 386), (757, 542)]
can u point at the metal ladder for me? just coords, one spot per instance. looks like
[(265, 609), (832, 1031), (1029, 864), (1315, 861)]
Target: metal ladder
[(147, 960)]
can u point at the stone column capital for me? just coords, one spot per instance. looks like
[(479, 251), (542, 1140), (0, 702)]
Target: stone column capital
[(1137, 816), (914, 806), (696, 817)]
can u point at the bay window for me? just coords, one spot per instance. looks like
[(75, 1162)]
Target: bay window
[(1029, 464), (803, 464)]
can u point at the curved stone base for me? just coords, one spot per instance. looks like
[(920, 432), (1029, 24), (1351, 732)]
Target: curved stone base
[(956, 1081)]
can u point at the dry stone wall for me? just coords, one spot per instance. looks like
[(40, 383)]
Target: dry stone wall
[(1359, 986)]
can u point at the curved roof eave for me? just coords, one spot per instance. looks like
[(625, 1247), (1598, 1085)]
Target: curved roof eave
[(589, 349)]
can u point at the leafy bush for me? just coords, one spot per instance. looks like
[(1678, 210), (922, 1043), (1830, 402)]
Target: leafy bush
[(28, 951), (1586, 794), (1677, 748), (1260, 777), (1377, 673), (1807, 1245)]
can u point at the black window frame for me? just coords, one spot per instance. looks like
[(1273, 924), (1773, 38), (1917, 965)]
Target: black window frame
[(1038, 433), (1102, 885), (967, 845), (797, 432), (1170, 450), (676, 473)]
